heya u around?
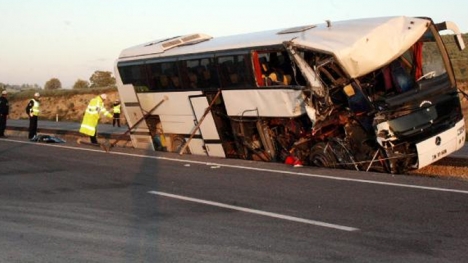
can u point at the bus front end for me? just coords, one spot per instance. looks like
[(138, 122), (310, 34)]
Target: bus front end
[(420, 121), (402, 115)]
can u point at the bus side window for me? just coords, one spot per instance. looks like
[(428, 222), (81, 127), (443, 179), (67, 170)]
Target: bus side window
[(135, 75), (225, 69), (157, 81), (188, 74), (173, 74), (235, 71), (243, 71), (213, 76), (203, 76), (280, 68), (192, 78), (273, 72)]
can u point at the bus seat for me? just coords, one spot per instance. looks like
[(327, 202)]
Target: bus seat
[(279, 79), (356, 99), (401, 78), (274, 77), (288, 79)]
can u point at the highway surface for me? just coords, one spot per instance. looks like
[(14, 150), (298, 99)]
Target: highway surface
[(69, 203)]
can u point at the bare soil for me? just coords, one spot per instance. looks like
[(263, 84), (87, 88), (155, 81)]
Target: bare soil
[(447, 168)]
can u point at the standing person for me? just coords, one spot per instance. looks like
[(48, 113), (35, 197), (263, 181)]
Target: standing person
[(32, 109), (92, 115), (4, 111), (116, 111)]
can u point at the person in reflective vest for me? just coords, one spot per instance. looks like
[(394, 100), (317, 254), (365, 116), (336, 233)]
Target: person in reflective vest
[(92, 115), (116, 111), (32, 109)]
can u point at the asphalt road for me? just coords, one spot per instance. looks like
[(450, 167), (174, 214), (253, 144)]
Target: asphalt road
[(70, 203)]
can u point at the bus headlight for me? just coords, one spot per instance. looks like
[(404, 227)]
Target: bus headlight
[(461, 130)]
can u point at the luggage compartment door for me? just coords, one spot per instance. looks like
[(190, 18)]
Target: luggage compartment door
[(209, 133), (140, 135)]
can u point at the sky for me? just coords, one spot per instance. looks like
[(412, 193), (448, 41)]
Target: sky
[(70, 40)]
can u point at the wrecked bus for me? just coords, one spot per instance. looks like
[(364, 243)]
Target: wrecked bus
[(368, 94)]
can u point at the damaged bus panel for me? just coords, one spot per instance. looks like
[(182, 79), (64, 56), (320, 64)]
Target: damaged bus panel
[(369, 94)]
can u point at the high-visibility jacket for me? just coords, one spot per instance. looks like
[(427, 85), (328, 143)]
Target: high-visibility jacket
[(33, 107), (92, 115), (116, 108)]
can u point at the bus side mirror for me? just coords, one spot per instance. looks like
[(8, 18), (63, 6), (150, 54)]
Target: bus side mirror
[(448, 25), (459, 41)]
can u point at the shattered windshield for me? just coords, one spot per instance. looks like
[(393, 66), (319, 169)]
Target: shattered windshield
[(418, 68)]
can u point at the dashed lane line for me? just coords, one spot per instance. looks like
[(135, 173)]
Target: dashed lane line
[(257, 212)]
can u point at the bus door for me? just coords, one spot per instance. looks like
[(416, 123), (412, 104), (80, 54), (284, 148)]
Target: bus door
[(140, 134), (209, 133)]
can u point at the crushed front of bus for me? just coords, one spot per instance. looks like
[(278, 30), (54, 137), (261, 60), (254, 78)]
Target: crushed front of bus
[(418, 117)]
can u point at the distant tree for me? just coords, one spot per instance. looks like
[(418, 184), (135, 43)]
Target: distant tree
[(53, 84), (81, 84), (29, 86), (101, 79)]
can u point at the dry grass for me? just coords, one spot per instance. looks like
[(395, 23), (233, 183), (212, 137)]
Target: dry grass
[(446, 171)]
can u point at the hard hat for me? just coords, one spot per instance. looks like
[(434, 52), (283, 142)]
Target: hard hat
[(4, 92), (37, 94), (104, 96)]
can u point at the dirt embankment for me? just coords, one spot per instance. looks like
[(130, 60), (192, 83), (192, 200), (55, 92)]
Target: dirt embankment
[(65, 108)]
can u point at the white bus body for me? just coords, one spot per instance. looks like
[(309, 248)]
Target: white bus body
[(368, 94)]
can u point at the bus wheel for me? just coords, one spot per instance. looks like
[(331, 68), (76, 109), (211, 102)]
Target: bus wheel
[(321, 155), (177, 144)]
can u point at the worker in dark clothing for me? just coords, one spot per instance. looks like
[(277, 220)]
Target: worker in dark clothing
[(4, 111), (33, 112)]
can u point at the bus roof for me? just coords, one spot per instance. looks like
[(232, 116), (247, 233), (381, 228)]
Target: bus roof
[(360, 45)]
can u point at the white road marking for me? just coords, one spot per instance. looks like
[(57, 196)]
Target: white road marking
[(258, 169), (254, 211)]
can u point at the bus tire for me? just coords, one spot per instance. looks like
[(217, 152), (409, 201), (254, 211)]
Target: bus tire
[(177, 144), (321, 155)]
